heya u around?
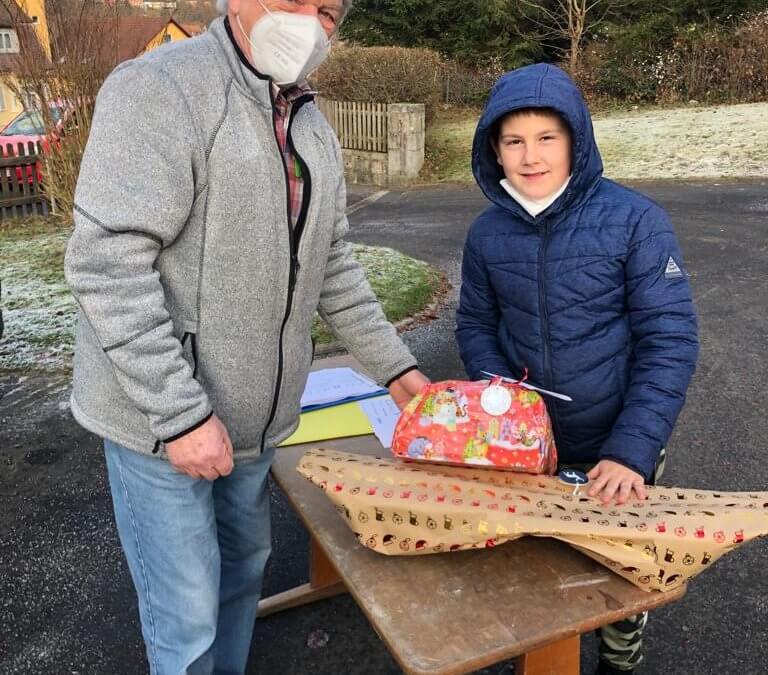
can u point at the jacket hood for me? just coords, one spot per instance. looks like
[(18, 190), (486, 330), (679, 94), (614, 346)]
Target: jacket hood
[(537, 86)]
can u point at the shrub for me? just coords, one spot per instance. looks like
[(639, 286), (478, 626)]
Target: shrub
[(718, 65), (470, 86), (656, 61), (382, 75), (622, 64)]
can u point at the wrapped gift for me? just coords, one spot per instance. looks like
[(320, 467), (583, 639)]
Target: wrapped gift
[(405, 508), (496, 423)]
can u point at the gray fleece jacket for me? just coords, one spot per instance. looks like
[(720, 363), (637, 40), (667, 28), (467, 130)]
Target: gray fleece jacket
[(195, 294)]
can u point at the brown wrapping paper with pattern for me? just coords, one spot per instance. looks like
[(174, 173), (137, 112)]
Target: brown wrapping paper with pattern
[(403, 508)]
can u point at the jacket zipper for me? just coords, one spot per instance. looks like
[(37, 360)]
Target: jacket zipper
[(294, 238), (544, 311)]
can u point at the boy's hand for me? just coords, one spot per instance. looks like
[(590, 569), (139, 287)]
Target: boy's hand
[(614, 479)]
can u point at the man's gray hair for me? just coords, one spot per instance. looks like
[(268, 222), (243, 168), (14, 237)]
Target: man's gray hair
[(223, 7)]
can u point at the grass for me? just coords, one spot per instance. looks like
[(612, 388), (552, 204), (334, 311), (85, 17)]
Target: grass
[(647, 144), (403, 285), (449, 149), (40, 312)]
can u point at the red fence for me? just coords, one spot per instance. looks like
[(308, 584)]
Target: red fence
[(21, 188)]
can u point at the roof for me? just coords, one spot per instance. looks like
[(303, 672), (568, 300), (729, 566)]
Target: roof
[(135, 32)]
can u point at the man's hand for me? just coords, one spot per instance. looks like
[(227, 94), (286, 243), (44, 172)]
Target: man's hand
[(611, 478), (406, 387), (205, 452)]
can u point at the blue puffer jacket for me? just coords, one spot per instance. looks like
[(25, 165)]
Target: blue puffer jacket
[(590, 296)]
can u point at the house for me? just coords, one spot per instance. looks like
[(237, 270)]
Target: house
[(160, 4), (23, 27), (34, 11), (24, 32), (139, 34), (194, 28)]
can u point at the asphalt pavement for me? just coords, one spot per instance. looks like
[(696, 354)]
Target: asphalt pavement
[(66, 601)]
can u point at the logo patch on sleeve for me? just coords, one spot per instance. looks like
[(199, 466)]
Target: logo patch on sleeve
[(673, 270)]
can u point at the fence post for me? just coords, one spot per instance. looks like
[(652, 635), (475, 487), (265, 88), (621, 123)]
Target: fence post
[(47, 185), (406, 140)]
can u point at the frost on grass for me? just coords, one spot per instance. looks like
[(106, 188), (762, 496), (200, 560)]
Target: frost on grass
[(651, 144), (38, 338), (38, 309), (706, 142)]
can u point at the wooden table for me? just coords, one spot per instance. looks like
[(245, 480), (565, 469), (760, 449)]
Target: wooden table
[(446, 614)]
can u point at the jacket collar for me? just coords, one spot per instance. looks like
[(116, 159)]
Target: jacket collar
[(246, 77)]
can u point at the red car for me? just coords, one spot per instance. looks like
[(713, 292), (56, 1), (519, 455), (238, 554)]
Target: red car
[(27, 127)]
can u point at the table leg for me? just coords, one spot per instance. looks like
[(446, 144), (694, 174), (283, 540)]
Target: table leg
[(559, 658), (323, 583)]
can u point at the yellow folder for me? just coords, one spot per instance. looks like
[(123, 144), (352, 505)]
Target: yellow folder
[(337, 421)]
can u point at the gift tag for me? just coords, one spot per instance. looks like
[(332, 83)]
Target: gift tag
[(496, 400)]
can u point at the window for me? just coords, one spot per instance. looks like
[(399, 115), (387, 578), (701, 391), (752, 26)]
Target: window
[(9, 42), (2, 98), (166, 37), (29, 123)]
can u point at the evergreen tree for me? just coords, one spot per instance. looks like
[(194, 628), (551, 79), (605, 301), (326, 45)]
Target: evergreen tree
[(471, 31)]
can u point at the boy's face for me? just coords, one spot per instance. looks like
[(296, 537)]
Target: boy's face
[(535, 151)]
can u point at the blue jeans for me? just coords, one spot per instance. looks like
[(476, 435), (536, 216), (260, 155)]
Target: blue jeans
[(196, 551)]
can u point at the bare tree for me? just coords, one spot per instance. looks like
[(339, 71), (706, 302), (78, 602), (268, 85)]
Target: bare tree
[(568, 21), (195, 11), (61, 79)]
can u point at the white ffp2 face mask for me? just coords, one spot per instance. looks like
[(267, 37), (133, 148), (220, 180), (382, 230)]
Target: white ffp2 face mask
[(287, 47)]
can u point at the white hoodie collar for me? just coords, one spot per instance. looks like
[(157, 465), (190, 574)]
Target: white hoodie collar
[(533, 206)]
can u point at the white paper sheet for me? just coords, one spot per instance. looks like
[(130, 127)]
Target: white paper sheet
[(336, 384), (383, 414)]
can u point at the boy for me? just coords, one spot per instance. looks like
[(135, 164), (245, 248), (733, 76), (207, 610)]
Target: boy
[(580, 281)]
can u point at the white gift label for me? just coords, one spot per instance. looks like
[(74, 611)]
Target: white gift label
[(496, 400)]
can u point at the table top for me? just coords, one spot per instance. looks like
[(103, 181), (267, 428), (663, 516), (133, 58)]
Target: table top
[(457, 612)]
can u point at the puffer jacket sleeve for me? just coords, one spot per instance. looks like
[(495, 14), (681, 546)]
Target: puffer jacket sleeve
[(133, 197), (350, 308), (478, 318), (664, 333)]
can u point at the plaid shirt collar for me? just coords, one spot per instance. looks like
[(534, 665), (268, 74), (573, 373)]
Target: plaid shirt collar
[(290, 95)]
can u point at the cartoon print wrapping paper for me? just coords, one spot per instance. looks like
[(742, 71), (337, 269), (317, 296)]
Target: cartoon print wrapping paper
[(406, 508), (487, 423)]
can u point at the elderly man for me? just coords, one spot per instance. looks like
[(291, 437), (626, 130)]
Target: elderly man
[(209, 224)]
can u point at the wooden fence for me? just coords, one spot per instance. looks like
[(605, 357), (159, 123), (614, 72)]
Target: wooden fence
[(359, 126), (21, 190)]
